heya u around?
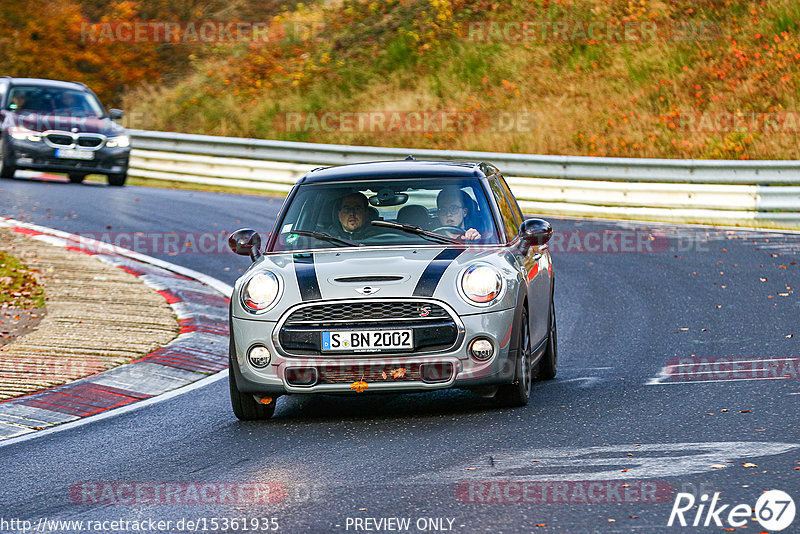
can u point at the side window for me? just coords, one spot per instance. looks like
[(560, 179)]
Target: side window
[(512, 201), (3, 90), (510, 223)]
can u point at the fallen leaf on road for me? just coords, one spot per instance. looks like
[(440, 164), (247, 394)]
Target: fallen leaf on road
[(717, 466), (748, 464), (744, 411)]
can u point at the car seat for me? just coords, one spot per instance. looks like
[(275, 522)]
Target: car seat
[(415, 215)]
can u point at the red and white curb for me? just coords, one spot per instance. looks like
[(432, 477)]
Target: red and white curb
[(196, 357)]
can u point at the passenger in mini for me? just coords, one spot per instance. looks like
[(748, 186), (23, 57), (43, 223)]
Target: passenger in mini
[(452, 211)]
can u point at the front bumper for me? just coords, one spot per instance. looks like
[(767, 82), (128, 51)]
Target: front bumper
[(23, 154), (456, 368)]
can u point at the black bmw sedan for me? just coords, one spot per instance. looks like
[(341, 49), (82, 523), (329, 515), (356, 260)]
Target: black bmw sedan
[(57, 126)]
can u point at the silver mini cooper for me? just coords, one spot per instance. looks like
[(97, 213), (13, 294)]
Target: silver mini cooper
[(402, 276)]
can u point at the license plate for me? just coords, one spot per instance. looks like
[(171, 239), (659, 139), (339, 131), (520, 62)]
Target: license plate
[(368, 340), (74, 153)]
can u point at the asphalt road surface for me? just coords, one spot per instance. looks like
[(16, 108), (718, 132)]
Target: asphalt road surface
[(605, 447)]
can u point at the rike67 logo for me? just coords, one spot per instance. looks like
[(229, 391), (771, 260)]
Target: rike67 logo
[(774, 510)]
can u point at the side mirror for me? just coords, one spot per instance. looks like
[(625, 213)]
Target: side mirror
[(535, 232), (115, 114), (245, 242)]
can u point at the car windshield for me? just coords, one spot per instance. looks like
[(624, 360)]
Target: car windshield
[(54, 101), (387, 213)]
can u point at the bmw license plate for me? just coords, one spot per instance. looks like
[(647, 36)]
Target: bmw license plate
[(74, 153), (368, 340)]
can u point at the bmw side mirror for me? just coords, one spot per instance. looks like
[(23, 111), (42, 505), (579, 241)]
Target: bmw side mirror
[(535, 232), (115, 114), (245, 242)]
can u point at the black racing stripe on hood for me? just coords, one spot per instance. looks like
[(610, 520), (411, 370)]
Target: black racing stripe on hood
[(433, 272), (306, 277)]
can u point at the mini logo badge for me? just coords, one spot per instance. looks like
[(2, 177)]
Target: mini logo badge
[(368, 290), (424, 311)]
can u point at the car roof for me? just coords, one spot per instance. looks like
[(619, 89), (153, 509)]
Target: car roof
[(385, 170), (46, 83)]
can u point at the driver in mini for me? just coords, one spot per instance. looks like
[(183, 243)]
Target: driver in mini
[(452, 211), (351, 217)]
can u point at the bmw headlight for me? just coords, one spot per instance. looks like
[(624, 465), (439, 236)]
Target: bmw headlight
[(24, 134), (261, 291), (481, 284), (118, 142)]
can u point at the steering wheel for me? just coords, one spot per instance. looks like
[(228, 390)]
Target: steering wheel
[(450, 231)]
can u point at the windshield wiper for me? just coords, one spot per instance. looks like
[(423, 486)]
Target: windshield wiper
[(326, 237), (418, 231)]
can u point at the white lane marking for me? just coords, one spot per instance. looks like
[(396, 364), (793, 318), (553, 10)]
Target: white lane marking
[(734, 361), (588, 381), (649, 461), (118, 411), (659, 378), (585, 368), (718, 381), (664, 375)]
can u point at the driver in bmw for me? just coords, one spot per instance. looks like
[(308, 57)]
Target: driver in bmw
[(452, 211)]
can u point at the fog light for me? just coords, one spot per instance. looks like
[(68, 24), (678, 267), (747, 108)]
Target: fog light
[(481, 349), (259, 356)]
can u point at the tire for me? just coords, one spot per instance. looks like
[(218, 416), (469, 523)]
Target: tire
[(244, 405), (75, 178), (6, 171), (117, 179), (548, 364), (518, 393)]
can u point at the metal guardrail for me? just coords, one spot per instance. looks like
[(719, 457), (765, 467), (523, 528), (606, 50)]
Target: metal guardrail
[(720, 191)]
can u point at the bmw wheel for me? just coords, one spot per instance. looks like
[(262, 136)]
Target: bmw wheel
[(117, 179), (6, 170)]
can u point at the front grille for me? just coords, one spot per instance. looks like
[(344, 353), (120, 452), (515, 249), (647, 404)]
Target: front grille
[(368, 373), (366, 311), (90, 142), (60, 139), (432, 326)]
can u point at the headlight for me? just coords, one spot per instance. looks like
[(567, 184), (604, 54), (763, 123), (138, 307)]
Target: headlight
[(21, 133), (118, 142), (481, 284), (260, 292)]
